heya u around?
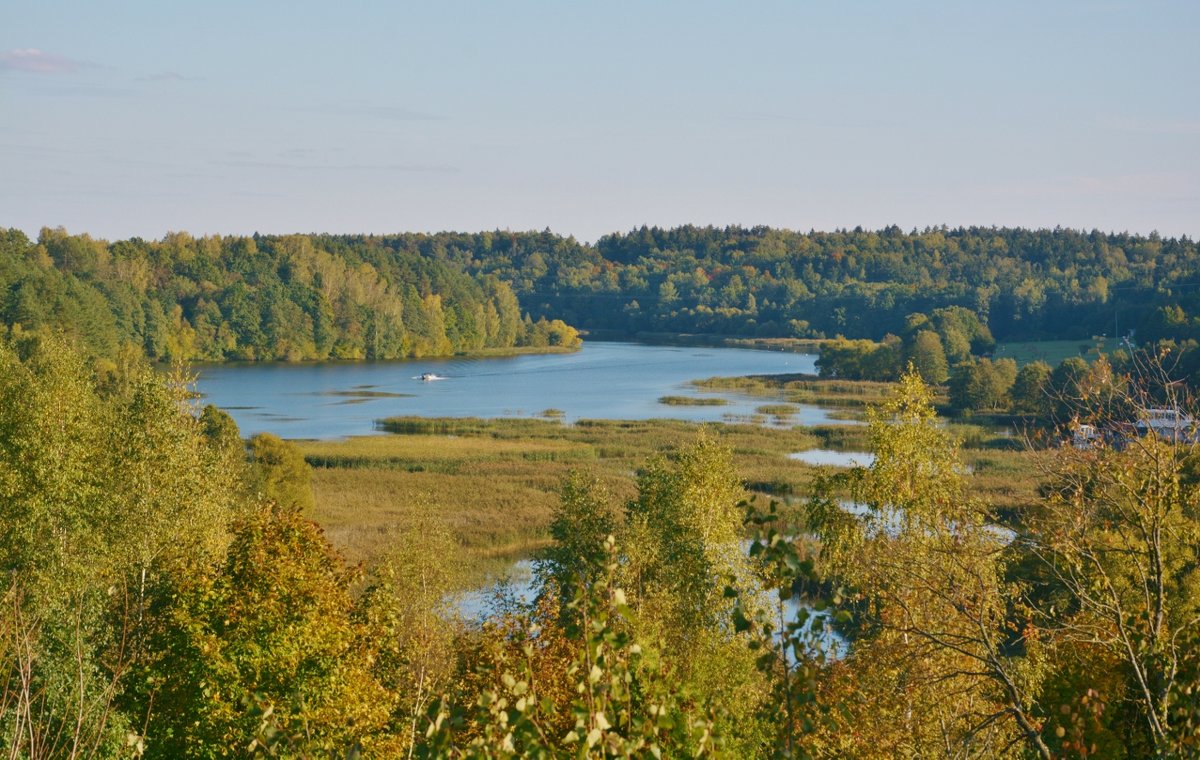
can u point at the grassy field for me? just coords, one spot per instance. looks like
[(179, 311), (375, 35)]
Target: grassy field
[(1050, 351), (494, 483)]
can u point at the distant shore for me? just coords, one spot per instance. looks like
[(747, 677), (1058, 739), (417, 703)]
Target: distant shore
[(794, 345)]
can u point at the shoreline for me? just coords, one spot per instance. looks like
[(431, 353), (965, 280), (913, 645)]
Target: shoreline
[(482, 353), (792, 345)]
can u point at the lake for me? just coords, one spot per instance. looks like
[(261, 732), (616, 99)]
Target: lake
[(603, 380)]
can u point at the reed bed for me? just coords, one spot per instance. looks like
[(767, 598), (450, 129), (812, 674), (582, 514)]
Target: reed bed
[(495, 482)]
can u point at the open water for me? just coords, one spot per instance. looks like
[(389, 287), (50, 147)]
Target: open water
[(602, 380)]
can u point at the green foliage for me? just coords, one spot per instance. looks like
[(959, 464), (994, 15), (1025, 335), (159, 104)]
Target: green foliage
[(982, 385), (1023, 284), (582, 521), (861, 359), (259, 298), (688, 522), (320, 296), (1031, 392), (260, 653), (624, 702), (926, 355), (108, 493), (279, 471), (405, 615), (1118, 538), (938, 624)]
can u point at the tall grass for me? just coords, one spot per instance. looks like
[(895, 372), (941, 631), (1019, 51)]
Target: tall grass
[(495, 482)]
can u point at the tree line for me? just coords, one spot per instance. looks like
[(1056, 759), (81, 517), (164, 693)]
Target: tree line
[(258, 298), (387, 296), (164, 596), (1024, 284)]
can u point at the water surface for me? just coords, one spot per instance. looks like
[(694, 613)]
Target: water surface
[(600, 381), (831, 458)]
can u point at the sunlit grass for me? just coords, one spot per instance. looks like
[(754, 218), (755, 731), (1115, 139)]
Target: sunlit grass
[(803, 389), (692, 401), (495, 482), (1050, 351)]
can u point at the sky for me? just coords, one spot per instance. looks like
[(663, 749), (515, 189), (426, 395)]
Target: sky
[(138, 117)]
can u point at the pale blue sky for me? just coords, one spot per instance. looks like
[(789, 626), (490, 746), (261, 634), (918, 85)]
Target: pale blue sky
[(124, 117)]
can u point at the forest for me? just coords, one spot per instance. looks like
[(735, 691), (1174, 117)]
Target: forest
[(166, 596), (1024, 284), (300, 297), (287, 298)]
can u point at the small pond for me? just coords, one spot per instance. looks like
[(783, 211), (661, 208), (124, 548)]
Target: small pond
[(830, 458)]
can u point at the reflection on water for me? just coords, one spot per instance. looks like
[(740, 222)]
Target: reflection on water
[(893, 524), (830, 458), (600, 381), (517, 585)]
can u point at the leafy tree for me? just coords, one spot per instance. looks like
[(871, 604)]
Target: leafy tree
[(110, 493), (280, 472), (405, 615), (624, 702), (689, 523), (1031, 392), (682, 535), (1119, 537), (982, 384), (936, 646), (582, 521), (927, 357), (261, 652)]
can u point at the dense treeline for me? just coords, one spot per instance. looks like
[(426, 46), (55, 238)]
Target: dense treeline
[(1025, 284), (931, 344), (319, 296), (261, 297), (165, 597), (977, 383)]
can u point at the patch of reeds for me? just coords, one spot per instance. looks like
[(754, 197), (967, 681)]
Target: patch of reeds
[(692, 401)]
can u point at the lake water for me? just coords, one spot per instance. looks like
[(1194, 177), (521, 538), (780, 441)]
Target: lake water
[(602, 380), (831, 458)]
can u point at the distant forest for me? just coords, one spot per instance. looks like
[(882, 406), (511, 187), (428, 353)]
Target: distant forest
[(335, 296), (292, 298), (1025, 284)]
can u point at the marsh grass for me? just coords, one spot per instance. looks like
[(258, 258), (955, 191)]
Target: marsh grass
[(778, 410), (495, 482), (803, 389), (692, 401)]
